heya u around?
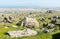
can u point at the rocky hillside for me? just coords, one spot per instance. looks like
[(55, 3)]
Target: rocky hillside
[(45, 22)]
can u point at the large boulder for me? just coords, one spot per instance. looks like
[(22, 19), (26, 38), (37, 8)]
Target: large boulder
[(29, 22)]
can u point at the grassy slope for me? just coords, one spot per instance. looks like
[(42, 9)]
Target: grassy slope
[(38, 36)]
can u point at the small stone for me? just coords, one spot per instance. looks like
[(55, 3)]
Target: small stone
[(14, 26)]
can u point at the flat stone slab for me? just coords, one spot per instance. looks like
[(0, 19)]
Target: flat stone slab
[(20, 33)]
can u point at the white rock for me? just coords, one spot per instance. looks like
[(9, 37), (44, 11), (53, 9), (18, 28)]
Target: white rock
[(29, 22), (20, 33), (14, 26)]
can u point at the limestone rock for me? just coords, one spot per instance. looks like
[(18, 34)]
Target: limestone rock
[(29, 22), (20, 33), (7, 20)]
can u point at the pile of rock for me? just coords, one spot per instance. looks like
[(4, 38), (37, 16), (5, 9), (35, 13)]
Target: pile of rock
[(20, 33)]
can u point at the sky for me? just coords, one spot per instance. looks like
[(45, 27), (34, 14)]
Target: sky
[(29, 3)]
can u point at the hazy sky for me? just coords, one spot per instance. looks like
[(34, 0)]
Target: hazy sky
[(30, 3)]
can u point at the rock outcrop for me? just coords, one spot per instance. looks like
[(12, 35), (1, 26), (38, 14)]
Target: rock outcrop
[(29, 22)]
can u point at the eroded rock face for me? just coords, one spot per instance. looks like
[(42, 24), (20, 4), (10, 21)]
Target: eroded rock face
[(29, 22), (20, 33)]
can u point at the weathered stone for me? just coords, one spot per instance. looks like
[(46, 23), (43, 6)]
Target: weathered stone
[(54, 21), (57, 17), (10, 18), (7, 20), (20, 33), (29, 22), (48, 25), (42, 19), (46, 31)]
